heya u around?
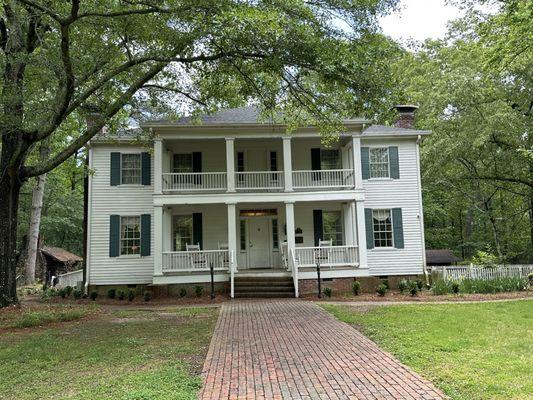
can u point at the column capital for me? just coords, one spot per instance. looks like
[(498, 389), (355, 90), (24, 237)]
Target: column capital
[(286, 137), (227, 139), (289, 201)]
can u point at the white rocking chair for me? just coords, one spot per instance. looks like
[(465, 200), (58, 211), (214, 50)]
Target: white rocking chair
[(197, 259)]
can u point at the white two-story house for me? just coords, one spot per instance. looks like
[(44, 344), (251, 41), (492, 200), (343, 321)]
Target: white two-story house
[(245, 199)]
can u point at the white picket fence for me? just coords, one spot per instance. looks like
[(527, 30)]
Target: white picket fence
[(454, 273), (70, 278)]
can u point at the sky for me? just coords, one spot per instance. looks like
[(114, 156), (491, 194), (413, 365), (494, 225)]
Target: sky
[(419, 20)]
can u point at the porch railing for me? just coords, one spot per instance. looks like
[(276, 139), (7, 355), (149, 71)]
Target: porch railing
[(259, 180), (328, 256), (195, 181), (331, 178), (191, 261)]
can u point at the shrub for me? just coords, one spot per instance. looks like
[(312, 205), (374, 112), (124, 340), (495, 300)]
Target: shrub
[(111, 293), (78, 294), (413, 288), (455, 287), (386, 283), (69, 290), (382, 289), (131, 295), (48, 293), (199, 290), (183, 292), (62, 292), (420, 284), (441, 287), (147, 296), (94, 295), (356, 287), (327, 291), (121, 295), (530, 279), (403, 285)]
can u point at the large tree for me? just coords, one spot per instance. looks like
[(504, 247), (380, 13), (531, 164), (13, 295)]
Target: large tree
[(65, 60)]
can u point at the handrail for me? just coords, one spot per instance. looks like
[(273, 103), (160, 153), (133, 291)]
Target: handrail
[(187, 261), (259, 180), (328, 256), (194, 181), (294, 269), (326, 178)]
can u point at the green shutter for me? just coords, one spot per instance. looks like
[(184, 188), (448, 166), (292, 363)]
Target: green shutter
[(316, 164), (397, 227), (197, 166), (318, 226), (146, 169), (114, 235), (369, 227), (197, 231), (115, 169), (393, 162), (365, 163), (146, 232)]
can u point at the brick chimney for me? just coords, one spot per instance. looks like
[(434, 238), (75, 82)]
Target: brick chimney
[(407, 115)]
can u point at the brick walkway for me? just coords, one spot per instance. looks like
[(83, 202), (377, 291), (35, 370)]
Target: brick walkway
[(290, 349)]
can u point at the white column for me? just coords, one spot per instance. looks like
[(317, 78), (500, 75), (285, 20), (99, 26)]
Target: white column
[(361, 234), (158, 166), (230, 163), (232, 244), (349, 221), (167, 230), (287, 163), (289, 221), (158, 240), (356, 156)]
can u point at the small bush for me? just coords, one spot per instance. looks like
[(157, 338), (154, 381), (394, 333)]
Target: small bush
[(386, 283), (37, 318), (112, 293), (403, 285), (199, 290), (381, 289), (78, 294), (147, 296), (131, 295), (121, 295), (441, 287), (327, 291), (413, 288), (62, 293), (69, 290), (49, 293), (94, 295), (420, 284), (455, 287), (356, 288), (530, 279), (183, 292)]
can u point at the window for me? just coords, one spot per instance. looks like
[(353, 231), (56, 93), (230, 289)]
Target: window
[(243, 234), (131, 168), (275, 236), (379, 162), (382, 224), (330, 159), (182, 163), (130, 235), (332, 227), (182, 231)]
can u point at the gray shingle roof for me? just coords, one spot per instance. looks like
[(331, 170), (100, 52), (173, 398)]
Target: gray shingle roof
[(376, 130), (441, 256)]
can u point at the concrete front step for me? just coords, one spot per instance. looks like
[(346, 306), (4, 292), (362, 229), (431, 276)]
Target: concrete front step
[(265, 287), (264, 284), (265, 295)]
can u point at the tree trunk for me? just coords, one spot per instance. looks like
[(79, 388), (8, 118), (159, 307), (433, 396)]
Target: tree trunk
[(530, 255), (9, 200), (469, 225), (35, 220)]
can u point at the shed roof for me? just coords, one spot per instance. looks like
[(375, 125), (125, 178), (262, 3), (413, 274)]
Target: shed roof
[(60, 254), (438, 256)]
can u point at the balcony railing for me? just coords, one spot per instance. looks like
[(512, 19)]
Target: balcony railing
[(327, 256), (330, 178), (195, 181), (259, 180), (191, 261)]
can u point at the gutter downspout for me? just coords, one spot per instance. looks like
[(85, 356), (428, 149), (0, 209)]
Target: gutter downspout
[(88, 196), (420, 207)]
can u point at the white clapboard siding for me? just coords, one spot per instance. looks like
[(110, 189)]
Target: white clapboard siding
[(120, 200), (402, 193)]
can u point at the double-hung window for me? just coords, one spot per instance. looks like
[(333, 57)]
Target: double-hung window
[(330, 159), (382, 224), (130, 235), (379, 162), (130, 167), (332, 227), (182, 232), (182, 163)]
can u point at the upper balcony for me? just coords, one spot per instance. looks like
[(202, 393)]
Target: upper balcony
[(230, 165)]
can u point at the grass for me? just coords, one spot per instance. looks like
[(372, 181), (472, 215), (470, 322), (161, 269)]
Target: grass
[(28, 317), (130, 355), (471, 351)]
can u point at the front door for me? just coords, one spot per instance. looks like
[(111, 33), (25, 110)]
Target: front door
[(259, 243)]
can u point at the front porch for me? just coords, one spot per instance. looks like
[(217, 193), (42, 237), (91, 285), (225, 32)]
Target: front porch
[(266, 239)]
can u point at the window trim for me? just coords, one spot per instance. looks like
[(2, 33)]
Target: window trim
[(343, 230), (392, 246), (138, 153), (174, 162), (120, 239), (379, 178), (339, 159)]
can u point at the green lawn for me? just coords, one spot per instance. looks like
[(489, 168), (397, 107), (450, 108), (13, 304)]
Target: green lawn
[(471, 351), (129, 355)]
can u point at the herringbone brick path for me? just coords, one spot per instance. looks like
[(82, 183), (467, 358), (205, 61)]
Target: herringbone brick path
[(290, 349)]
